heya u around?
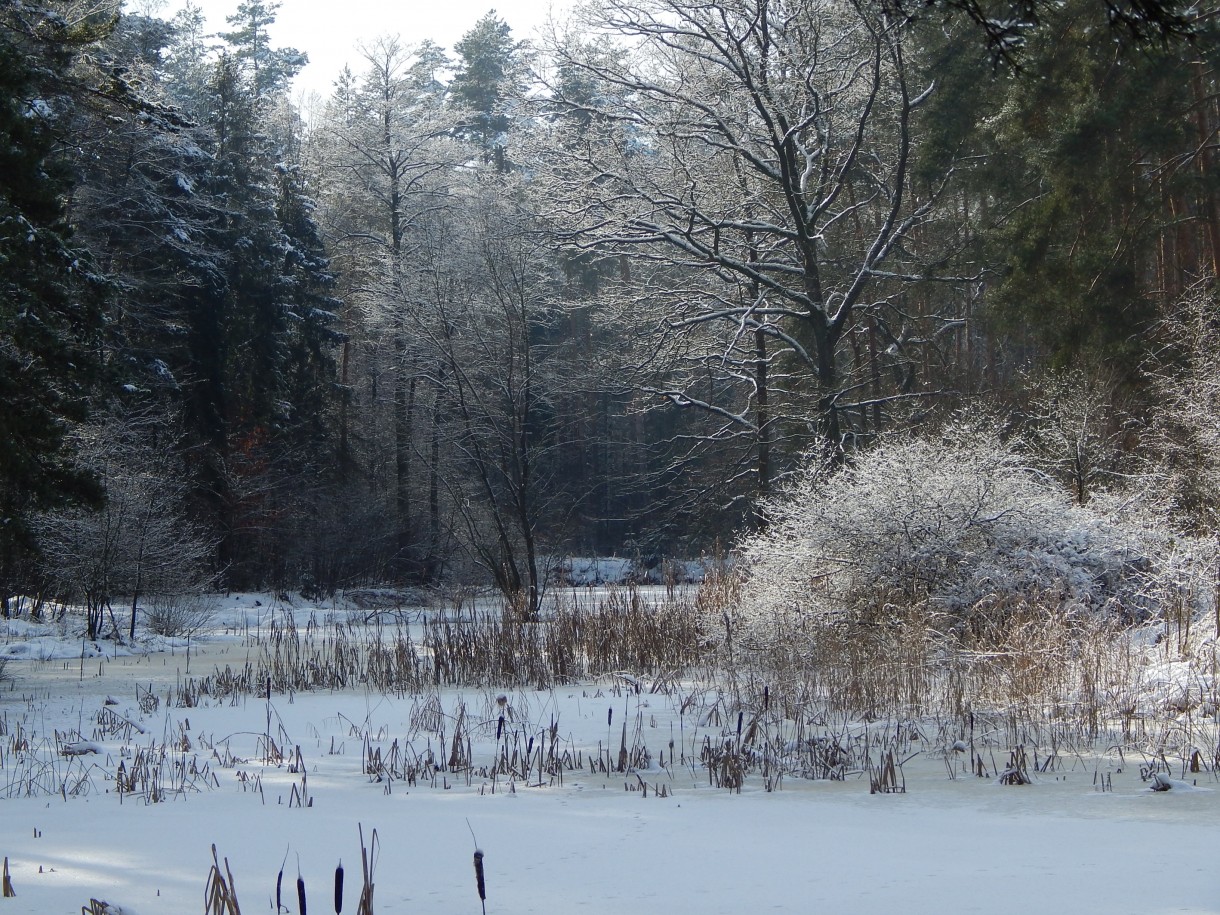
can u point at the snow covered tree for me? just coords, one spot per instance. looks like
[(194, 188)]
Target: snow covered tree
[(1076, 428), (1181, 445), (140, 544), (755, 176), (187, 58), (264, 344), (493, 321), (386, 152)]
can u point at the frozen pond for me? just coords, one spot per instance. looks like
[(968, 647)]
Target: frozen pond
[(582, 840)]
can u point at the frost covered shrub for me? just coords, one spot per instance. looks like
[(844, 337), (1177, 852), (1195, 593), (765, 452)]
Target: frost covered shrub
[(178, 615), (959, 526), (1183, 436)]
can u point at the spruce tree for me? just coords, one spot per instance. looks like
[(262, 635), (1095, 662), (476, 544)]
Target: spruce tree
[(51, 317)]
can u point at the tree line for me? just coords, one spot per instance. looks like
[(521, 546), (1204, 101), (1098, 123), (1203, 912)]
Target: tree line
[(477, 309)]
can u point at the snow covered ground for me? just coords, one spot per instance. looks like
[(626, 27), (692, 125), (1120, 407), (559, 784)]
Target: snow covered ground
[(593, 843)]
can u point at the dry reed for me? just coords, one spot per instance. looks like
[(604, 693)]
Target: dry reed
[(220, 893)]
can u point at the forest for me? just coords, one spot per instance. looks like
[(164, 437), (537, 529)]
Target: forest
[(678, 280)]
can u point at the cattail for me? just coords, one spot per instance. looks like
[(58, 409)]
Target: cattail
[(279, 882), (478, 878), (301, 895), (339, 888)]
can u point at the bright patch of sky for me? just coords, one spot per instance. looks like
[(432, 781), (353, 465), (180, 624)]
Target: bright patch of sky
[(331, 33)]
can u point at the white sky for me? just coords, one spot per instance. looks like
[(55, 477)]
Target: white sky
[(330, 30)]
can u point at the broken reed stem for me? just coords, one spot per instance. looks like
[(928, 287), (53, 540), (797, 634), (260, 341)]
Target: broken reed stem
[(220, 895), (368, 861), (8, 882)]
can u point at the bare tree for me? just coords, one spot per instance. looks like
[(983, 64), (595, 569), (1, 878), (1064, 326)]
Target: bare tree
[(386, 151), (140, 543), (751, 163), (1078, 428), (488, 308)]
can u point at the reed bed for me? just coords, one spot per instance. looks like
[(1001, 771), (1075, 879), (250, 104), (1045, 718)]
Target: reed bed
[(151, 774), (1021, 661), (834, 697), (624, 632)]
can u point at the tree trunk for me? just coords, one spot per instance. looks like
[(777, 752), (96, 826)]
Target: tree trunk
[(404, 409), (432, 562), (763, 416)]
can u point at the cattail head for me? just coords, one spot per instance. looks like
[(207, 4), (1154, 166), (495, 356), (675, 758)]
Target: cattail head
[(339, 888), (480, 883)]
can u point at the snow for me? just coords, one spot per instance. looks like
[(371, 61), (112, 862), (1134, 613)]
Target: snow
[(82, 748), (40, 108), (595, 843), (586, 571)]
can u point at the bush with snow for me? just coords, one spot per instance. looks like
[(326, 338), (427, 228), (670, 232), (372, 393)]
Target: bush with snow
[(178, 615), (959, 524)]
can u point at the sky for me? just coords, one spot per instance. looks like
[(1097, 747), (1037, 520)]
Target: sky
[(329, 32)]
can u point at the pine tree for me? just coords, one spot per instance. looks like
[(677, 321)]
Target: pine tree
[(487, 80), (1101, 209), (270, 70)]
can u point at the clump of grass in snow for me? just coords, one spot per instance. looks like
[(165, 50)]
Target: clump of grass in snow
[(100, 907)]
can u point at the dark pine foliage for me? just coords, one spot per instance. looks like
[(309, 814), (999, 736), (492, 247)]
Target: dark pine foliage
[(51, 302)]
